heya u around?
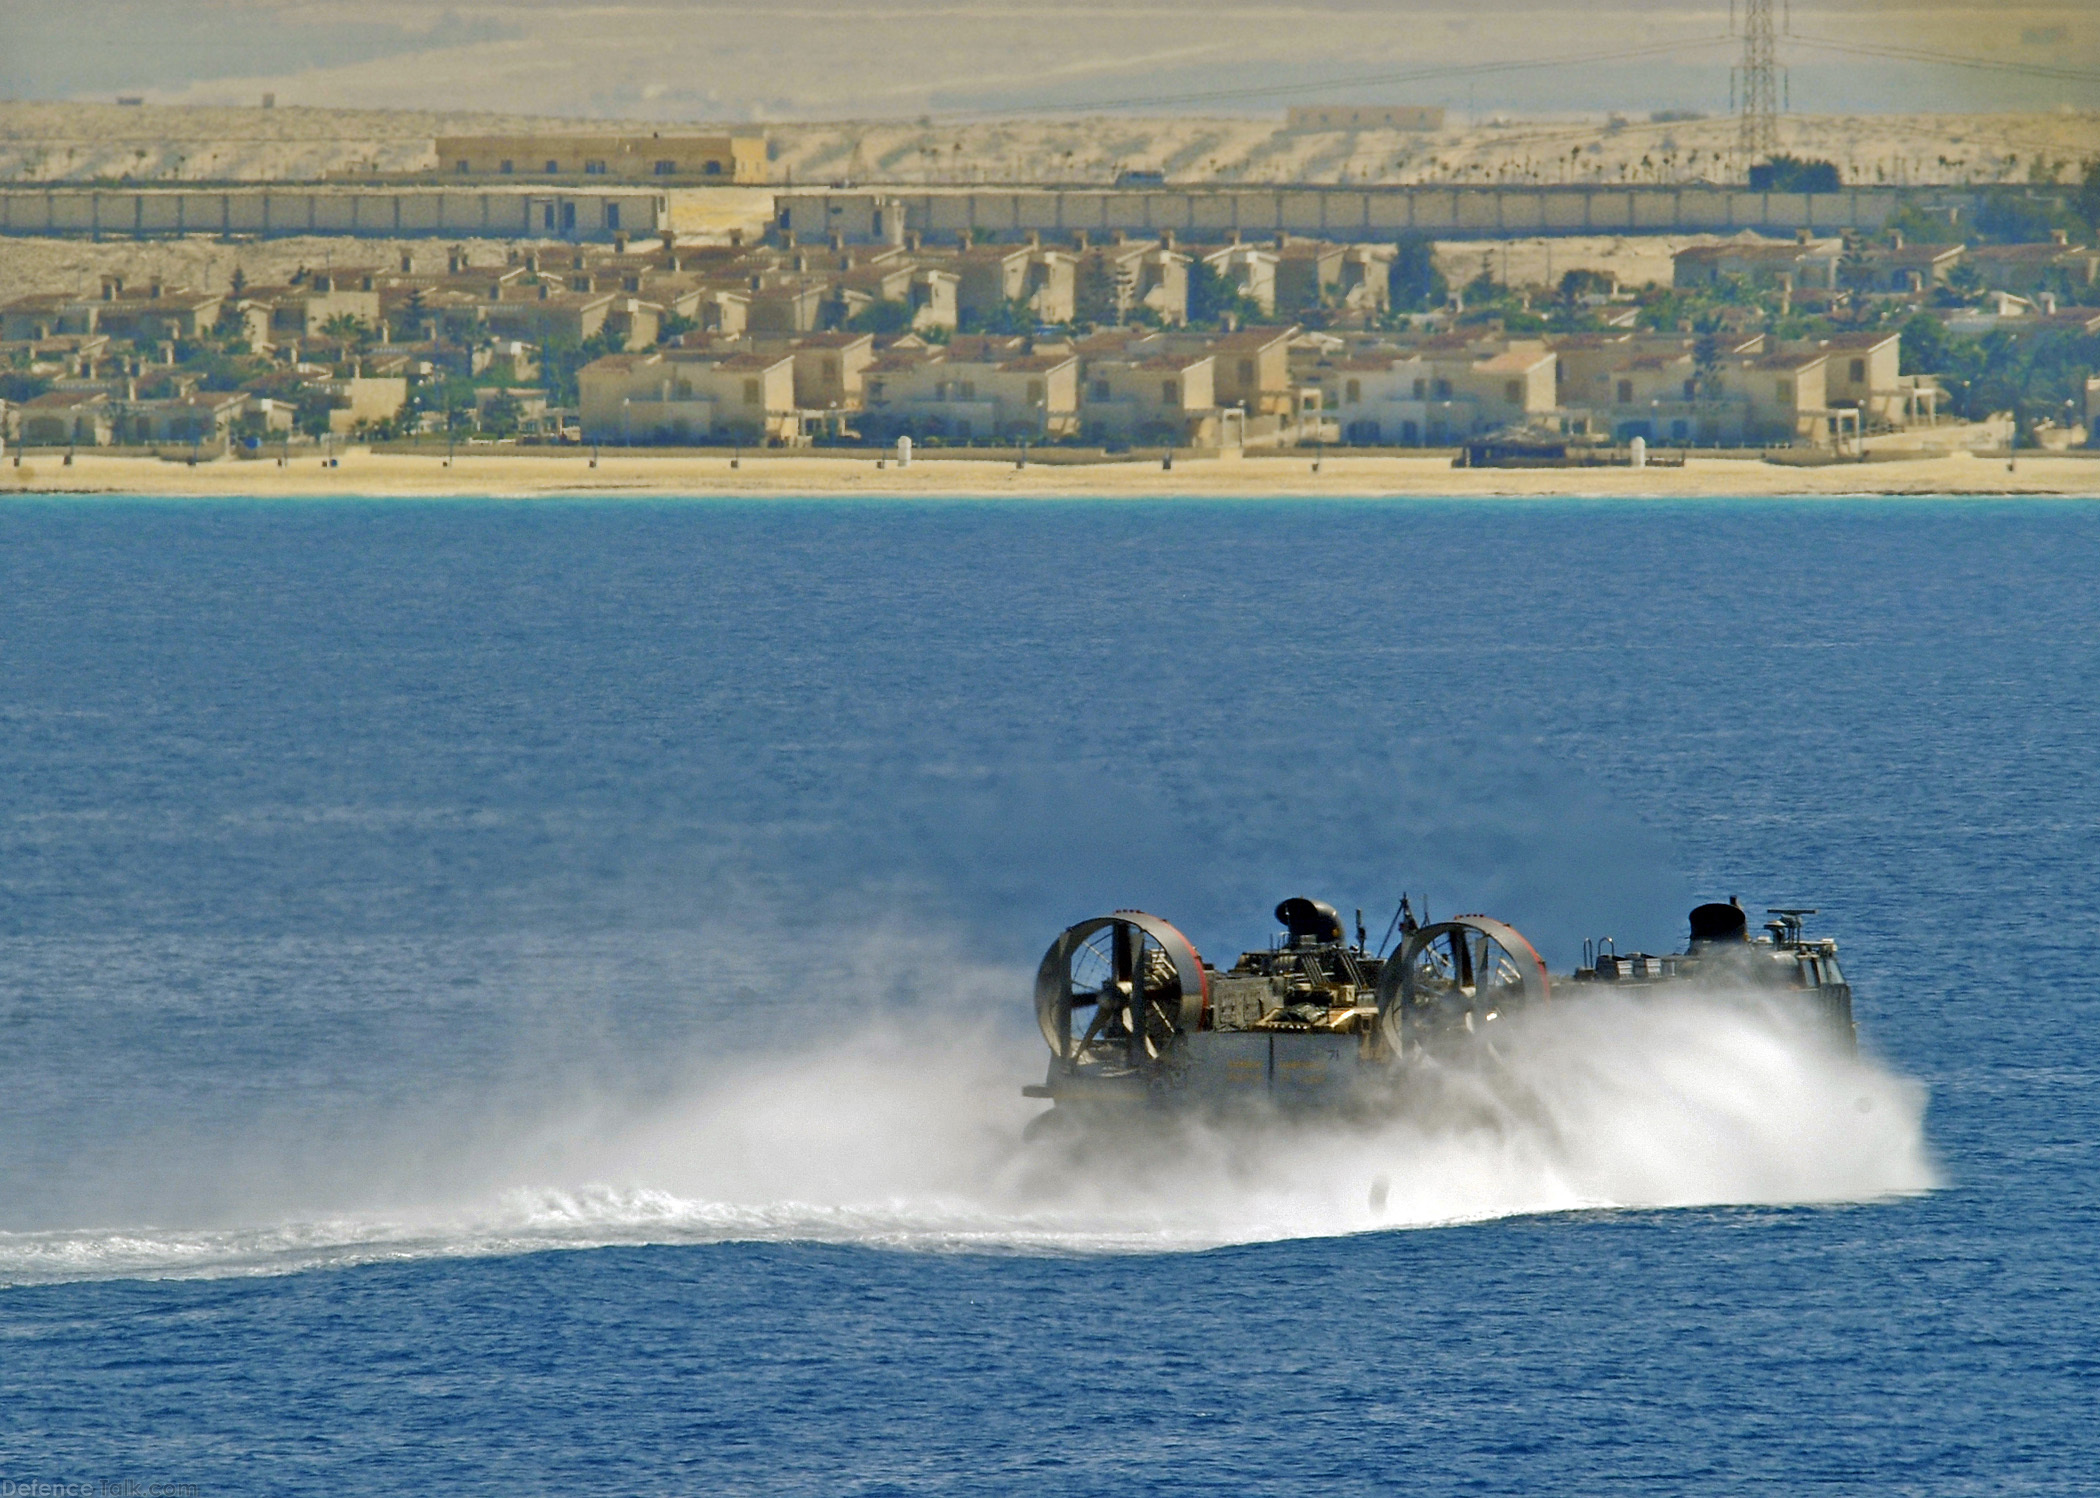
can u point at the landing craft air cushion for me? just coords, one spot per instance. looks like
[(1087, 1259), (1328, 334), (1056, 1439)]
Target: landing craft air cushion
[(1133, 1014)]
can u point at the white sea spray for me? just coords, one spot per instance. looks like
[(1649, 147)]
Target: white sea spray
[(907, 1131)]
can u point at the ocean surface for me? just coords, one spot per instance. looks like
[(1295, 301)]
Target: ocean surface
[(533, 997)]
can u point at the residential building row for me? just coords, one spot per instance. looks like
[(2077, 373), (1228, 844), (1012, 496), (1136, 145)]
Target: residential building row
[(1809, 265), (1257, 385), (788, 342)]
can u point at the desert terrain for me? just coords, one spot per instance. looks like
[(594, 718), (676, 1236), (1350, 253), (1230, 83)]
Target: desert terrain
[(49, 142), (673, 61), (81, 143)]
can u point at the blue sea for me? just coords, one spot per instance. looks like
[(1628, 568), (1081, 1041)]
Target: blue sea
[(533, 997)]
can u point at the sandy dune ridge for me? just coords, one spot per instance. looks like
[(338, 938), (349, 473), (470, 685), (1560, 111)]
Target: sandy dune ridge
[(42, 142)]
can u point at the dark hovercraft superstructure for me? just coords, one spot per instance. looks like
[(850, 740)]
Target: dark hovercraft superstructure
[(1133, 1013)]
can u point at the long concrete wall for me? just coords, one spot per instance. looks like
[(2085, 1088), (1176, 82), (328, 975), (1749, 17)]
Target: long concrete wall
[(1203, 214), (457, 213), (1212, 214)]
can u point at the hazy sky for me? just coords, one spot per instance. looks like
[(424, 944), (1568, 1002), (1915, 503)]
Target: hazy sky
[(696, 59)]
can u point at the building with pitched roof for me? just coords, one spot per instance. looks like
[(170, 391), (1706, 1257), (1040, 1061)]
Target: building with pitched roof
[(675, 396), (974, 390), (1166, 398)]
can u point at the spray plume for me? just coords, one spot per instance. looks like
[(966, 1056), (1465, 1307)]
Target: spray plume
[(908, 1133)]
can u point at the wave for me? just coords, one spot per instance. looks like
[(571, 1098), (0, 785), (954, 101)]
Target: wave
[(909, 1135)]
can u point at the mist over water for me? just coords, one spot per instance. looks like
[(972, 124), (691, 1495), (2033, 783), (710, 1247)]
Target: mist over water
[(904, 1128)]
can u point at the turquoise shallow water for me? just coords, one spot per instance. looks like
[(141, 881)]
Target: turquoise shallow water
[(392, 895)]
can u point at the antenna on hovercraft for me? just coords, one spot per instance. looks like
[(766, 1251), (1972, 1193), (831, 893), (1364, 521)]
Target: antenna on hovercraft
[(1786, 931), (1403, 924), (1360, 932)]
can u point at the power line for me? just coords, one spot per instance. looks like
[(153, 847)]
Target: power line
[(1752, 88), (1951, 59), (1365, 80)]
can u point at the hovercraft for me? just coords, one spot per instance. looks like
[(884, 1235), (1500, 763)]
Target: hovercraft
[(1132, 1012)]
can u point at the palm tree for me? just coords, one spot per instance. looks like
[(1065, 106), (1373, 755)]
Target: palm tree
[(348, 330)]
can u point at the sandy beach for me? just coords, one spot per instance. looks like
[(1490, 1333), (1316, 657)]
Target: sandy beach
[(790, 475)]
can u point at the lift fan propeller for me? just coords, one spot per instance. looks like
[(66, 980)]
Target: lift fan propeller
[(1118, 989), (1457, 977)]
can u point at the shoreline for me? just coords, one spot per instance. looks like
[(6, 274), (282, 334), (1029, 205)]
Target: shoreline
[(513, 475)]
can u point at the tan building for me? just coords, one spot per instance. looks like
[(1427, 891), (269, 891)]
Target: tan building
[(1311, 274), (786, 303), (252, 319), (552, 310), (829, 368), (160, 314), (66, 356), (65, 418), (987, 388), (1783, 396), (303, 310), (1308, 274), (1821, 394), (365, 399), (199, 418), (1363, 117), (675, 397), (1170, 398), (549, 158), (1437, 395), (634, 322), (992, 277), (1898, 266), (144, 314), (537, 313), (1864, 374), (1803, 262), (1650, 392), (1252, 368), (723, 309), (931, 294), (1367, 277), (1249, 270), (1391, 399), (2028, 269), (1644, 381), (32, 319), (1137, 273), (892, 379), (1586, 361), (1509, 388)]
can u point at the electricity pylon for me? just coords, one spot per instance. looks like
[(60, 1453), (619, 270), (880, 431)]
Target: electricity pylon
[(1757, 85)]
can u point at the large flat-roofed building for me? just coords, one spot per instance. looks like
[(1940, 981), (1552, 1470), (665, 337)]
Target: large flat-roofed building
[(708, 158), (1363, 117)]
